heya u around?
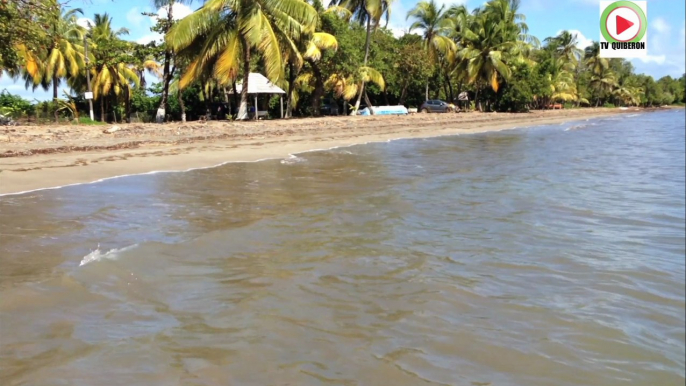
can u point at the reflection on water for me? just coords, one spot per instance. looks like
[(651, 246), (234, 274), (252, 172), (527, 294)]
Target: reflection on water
[(550, 256)]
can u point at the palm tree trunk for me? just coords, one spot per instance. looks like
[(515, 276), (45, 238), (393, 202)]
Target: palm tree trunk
[(112, 105), (366, 58), (291, 85), (205, 100), (54, 99), (476, 98), (102, 108), (368, 102), (234, 96), (183, 107), (318, 89), (403, 95), (243, 109), (166, 76), (450, 89), (128, 105)]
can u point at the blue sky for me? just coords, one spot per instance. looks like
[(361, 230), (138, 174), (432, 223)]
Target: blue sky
[(666, 53)]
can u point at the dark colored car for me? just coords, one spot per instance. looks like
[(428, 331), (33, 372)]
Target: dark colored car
[(435, 106), (329, 107)]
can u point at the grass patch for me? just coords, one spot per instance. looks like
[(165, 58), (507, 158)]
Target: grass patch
[(87, 121)]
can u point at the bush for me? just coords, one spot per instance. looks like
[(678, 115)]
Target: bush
[(14, 105), (609, 105)]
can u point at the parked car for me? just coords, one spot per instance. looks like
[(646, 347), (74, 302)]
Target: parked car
[(329, 107), (435, 106)]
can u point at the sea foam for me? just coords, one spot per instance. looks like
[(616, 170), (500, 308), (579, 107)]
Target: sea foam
[(98, 255)]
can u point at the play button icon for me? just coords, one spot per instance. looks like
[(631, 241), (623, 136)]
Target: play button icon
[(623, 24)]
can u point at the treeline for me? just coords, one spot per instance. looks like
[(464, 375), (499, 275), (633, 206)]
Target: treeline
[(343, 52)]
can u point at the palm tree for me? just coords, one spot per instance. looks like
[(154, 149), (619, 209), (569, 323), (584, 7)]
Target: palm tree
[(565, 45), (223, 33), (603, 83), (562, 82), (436, 23), (368, 13), (593, 59), (111, 76), (164, 26), (116, 79), (345, 85), (308, 49), (101, 28), (64, 56), (498, 38)]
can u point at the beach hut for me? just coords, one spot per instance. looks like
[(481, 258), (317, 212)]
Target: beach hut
[(259, 84)]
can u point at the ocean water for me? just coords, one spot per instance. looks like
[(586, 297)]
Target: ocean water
[(544, 256)]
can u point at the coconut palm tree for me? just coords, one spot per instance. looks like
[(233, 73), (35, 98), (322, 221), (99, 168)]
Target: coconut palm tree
[(498, 39), (63, 57), (347, 87), (308, 49), (565, 45), (101, 28), (111, 76), (369, 14), (561, 80), (436, 24), (164, 26), (603, 83), (593, 60), (226, 32)]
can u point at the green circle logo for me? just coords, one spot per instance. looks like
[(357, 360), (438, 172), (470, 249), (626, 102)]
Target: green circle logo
[(611, 36)]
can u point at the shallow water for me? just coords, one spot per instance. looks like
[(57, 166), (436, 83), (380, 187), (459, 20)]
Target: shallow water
[(547, 256)]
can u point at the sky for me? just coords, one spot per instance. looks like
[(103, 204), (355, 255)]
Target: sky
[(666, 52)]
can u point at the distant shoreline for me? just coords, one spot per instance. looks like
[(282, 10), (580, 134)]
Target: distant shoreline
[(45, 157)]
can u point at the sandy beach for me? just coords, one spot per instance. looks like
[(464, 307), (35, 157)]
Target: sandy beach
[(39, 157)]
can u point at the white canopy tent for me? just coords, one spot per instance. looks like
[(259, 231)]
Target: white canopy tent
[(259, 84)]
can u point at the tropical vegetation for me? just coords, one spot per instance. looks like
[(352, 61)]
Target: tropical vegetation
[(343, 53)]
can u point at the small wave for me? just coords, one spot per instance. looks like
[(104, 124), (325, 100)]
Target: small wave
[(576, 127), (98, 255), (292, 159)]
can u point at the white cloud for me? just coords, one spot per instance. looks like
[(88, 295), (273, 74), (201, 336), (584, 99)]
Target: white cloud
[(179, 11), (397, 31), (666, 52), (660, 25), (134, 16), (448, 3), (149, 38), (658, 59), (85, 22)]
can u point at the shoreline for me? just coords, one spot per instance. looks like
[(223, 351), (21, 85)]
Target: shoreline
[(40, 158)]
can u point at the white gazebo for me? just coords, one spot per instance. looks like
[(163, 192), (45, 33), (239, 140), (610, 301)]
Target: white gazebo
[(259, 84)]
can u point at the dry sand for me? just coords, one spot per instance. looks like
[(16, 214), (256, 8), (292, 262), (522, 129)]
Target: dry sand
[(39, 157)]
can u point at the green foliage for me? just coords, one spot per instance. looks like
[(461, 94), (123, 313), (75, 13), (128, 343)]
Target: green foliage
[(89, 122), (518, 93), (14, 105), (486, 52)]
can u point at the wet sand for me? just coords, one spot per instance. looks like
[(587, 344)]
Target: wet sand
[(40, 157)]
